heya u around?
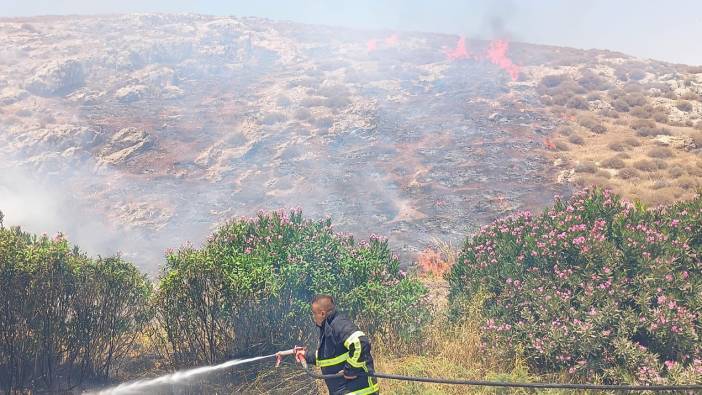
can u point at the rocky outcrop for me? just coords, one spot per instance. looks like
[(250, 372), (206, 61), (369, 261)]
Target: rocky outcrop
[(57, 79), (125, 144)]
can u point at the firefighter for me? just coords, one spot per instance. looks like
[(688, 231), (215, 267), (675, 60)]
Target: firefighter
[(342, 347)]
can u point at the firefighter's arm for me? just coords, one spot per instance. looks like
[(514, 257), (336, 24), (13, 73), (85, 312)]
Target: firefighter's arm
[(359, 348)]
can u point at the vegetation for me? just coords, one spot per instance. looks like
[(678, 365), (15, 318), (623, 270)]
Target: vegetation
[(66, 318), (595, 287)]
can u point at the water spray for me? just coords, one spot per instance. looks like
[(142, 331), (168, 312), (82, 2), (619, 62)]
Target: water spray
[(142, 386)]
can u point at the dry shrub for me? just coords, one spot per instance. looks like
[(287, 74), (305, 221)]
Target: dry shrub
[(661, 164), (564, 130), (586, 167), (698, 125), (618, 146), (613, 163), (561, 145), (323, 122), (660, 117), (660, 152), (592, 96), (642, 111), (593, 82), (637, 74), (576, 139), (282, 101), (661, 183), (273, 118), (312, 101), (635, 99), (552, 81), (610, 113), (683, 105), (632, 141), (620, 105), (642, 123), (302, 114), (687, 183), (697, 139), (628, 173), (577, 102), (676, 171), (591, 123), (645, 165), (694, 69), (622, 155)]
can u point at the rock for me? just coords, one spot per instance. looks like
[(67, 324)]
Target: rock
[(125, 144), (678, 142), (10, 96), (57, 79), (131, 93)]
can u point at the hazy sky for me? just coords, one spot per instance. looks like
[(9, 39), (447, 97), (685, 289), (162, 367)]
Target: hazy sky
[(670, 30)]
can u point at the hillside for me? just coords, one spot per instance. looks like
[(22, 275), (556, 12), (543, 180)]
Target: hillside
[(164, 126)]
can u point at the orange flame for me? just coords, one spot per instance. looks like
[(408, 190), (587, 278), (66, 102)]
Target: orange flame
[(549, 144), (431, 261), (497, 53), (459, 52)]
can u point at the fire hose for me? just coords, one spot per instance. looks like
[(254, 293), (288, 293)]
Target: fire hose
[(601, 387)]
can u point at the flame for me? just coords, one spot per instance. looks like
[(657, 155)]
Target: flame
[(372, 45), (459, 52), (432, 262), (392, 40), (497, 54), (549, 145)]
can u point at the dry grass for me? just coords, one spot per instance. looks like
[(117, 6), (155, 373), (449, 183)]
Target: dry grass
[(452, 350), (687, 183), (676, 171)]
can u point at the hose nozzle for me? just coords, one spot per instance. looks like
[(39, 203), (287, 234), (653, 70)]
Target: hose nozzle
[(280, 354)]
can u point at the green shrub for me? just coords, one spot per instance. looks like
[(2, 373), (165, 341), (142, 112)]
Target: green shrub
[(66, 318), (594, 286), (247, 290)]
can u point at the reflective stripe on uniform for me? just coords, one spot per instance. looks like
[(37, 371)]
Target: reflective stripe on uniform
[(355, 340), (332, 361), (372, 387)]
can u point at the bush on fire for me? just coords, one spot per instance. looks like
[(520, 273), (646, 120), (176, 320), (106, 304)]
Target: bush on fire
[(595, 287)]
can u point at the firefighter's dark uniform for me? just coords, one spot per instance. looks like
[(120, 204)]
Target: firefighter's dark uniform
[(343, 347)]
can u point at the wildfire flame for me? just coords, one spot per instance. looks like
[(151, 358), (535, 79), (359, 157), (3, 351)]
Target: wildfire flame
[(497, 54), (459, 52)]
